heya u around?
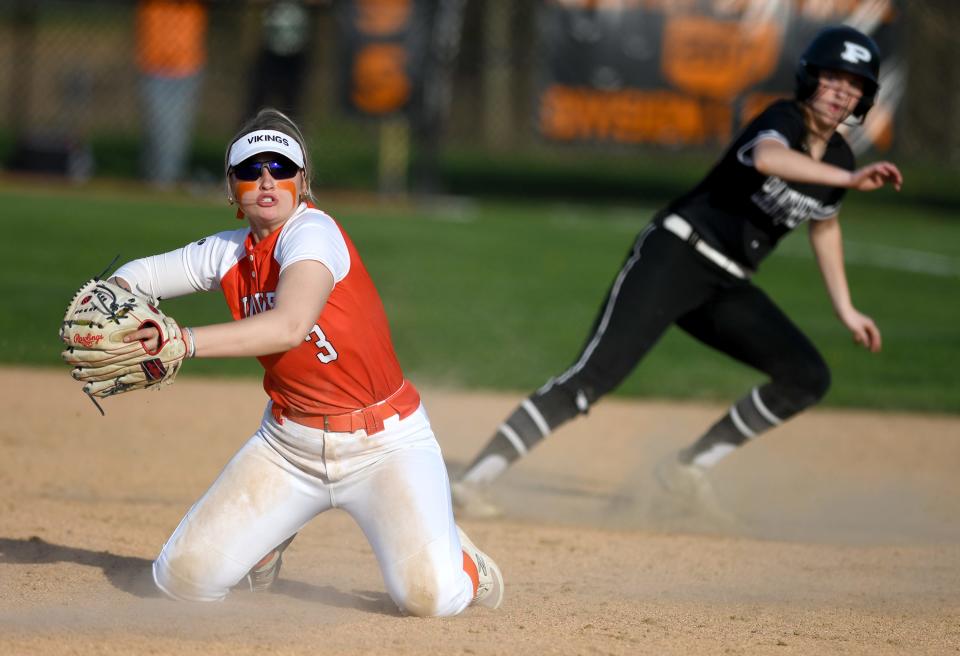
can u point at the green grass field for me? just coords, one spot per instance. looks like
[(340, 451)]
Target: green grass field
[(501, 295)]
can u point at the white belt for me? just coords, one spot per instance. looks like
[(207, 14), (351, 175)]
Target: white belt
[(679, 226)]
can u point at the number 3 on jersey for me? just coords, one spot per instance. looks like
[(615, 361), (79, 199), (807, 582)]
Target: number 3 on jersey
[(326, 352)]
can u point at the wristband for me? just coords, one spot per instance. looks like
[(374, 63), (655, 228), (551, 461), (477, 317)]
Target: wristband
[(191, 344)]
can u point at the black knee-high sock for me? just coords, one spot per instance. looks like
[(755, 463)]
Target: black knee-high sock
[(745, 419), (522, 430)]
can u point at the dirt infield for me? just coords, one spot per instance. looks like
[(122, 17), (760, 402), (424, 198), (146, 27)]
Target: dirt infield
[(849, 539)]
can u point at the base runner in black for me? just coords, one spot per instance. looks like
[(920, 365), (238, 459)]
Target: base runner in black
[(691, 267)]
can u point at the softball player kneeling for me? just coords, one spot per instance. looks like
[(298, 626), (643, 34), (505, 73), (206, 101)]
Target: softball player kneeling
[(342, 429)]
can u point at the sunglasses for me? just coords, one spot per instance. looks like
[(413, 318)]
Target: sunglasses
[(280, 169)]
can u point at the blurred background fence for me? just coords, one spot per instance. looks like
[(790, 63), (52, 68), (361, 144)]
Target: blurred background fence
[(448, 96)]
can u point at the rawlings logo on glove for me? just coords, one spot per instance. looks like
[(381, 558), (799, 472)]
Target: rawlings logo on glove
[(97, 319), (87, 341)]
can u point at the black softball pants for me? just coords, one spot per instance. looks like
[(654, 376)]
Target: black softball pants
[(664, 281)]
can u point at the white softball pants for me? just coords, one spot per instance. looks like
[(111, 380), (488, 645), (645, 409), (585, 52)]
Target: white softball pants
[(394, 484)]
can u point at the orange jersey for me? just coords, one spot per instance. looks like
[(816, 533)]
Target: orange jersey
[(346, 361)]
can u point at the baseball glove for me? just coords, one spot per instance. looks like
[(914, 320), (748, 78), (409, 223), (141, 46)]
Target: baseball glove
[(99, 316)]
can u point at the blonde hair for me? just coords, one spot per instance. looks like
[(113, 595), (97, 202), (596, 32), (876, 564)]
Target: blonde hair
[(269, 118)]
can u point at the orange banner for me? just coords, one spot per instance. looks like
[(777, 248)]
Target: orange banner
[(692, 73), (382, 54)]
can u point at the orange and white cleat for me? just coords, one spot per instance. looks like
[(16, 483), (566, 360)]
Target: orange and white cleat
[(487, 579)]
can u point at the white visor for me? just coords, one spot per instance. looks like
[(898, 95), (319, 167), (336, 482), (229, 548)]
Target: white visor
[(265, 141)]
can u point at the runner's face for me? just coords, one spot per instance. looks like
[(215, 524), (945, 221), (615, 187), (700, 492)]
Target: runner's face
[(837, 95)]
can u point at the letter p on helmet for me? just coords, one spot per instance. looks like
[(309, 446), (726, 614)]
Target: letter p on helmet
[(854, 53)]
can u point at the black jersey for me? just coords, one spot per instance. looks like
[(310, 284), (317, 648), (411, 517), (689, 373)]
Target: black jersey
[(744, 213)]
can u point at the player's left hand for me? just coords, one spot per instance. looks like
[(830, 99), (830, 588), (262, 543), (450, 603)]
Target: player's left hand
[(118, 341), (863, 328), (873, 176), (149, 336)]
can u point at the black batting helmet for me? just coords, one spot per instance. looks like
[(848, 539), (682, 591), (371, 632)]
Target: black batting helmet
[(841, 48)]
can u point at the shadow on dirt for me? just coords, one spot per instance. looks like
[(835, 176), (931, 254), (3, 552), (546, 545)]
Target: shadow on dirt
[(134, 576), (127, 573), (366, 600)]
